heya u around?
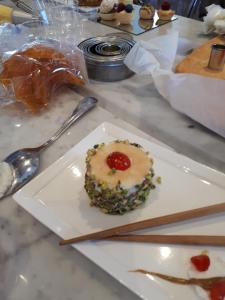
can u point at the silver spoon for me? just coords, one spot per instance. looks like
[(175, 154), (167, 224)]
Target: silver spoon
[(24, 163)]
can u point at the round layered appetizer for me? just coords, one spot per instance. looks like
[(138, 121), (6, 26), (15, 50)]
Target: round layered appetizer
[(124, 13), (165, 13), (147, 12), (118, 177)]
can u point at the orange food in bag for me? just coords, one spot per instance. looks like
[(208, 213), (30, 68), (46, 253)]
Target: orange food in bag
[(35, 72)]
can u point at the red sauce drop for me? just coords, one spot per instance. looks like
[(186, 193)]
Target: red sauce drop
[(118, 161), (201, 262), (165, 5), (217, 292)]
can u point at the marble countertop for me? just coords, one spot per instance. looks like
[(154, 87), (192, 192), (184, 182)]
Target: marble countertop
[(33, 267)]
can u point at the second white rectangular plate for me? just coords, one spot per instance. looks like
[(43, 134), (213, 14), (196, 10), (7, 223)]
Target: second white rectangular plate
[(57, 199)]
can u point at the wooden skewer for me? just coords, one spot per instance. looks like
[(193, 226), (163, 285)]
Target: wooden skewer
[(206, 240), (149, 223)]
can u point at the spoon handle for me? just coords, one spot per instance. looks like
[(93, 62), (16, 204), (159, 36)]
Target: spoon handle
[(83, 107)]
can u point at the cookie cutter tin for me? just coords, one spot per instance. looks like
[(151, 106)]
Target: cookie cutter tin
[(105, 56)]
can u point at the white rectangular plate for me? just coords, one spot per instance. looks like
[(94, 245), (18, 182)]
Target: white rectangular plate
[(57, 198)]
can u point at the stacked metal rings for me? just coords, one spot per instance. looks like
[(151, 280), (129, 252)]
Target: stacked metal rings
[(105, 57)]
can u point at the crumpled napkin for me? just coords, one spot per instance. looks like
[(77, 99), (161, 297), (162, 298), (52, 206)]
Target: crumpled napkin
[(145, 57), (199, 97), (215, 19)]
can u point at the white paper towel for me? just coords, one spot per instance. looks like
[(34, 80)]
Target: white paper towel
[(201, 98), (215, 19)]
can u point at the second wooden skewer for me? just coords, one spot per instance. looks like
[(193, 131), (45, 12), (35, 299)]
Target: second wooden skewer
[(201, 240), (149, 223)]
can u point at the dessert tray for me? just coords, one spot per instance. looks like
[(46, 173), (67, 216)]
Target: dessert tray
[(137, 26), (57, 199)]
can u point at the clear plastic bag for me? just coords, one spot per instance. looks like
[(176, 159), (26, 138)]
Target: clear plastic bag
[(37, 59)]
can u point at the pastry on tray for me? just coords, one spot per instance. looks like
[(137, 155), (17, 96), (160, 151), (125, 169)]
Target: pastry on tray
[(33, 74), (108, 10), (197, 61), (118, 176), (165, 13), (124, 13), (147, 12)]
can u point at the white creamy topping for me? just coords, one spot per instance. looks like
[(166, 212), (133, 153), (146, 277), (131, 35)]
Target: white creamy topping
[(6, 177), (106, 6)]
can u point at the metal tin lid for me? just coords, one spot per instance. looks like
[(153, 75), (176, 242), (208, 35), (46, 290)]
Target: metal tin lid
[(106, 50)]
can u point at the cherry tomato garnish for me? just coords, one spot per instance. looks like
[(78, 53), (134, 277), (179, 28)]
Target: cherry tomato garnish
[(201, 262), (217, 292), (118, 161)]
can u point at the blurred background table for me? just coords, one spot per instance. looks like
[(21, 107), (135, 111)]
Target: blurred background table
[(137, 101)]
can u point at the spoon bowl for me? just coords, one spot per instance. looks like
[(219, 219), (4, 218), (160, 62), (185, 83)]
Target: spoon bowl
[(24, 163)]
